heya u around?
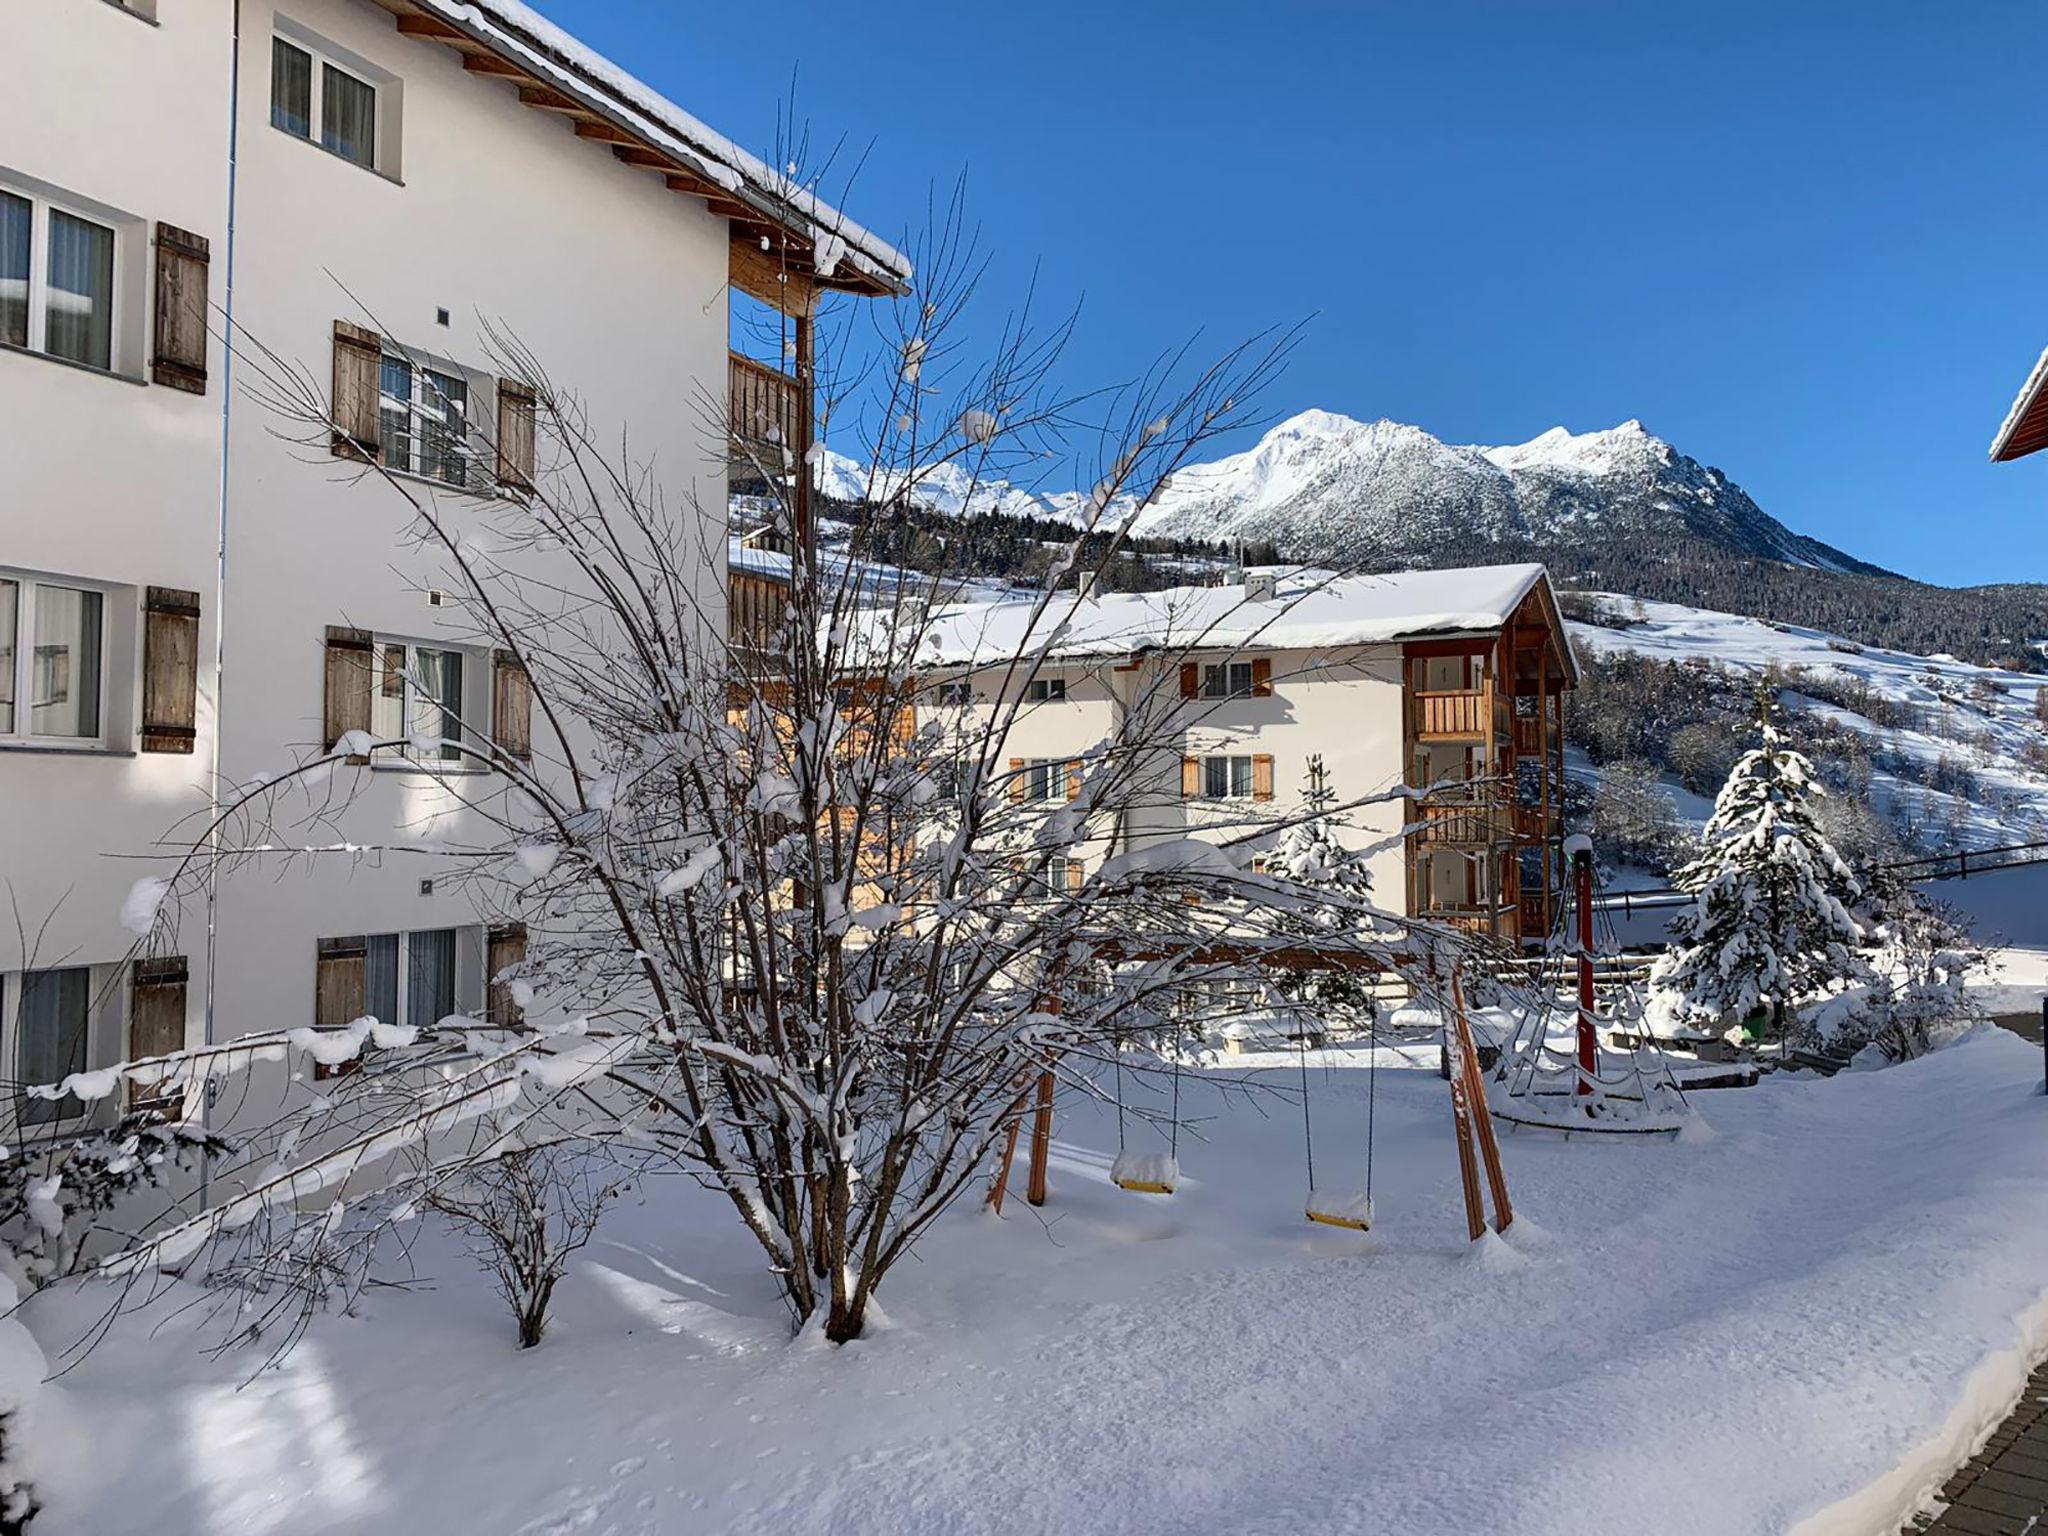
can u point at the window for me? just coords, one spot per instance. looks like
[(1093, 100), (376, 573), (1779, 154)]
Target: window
[(1045, 778), (314, 98), (1227, 680), (416, 698), (1449, 674), (1056, 876), (1046, 690), (423, 420), (52, 1030), (959, 693), (52, 644), (56, 281), (409, 978), (1226, 778)]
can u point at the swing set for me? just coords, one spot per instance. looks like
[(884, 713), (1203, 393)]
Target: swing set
[(1155, 1173)]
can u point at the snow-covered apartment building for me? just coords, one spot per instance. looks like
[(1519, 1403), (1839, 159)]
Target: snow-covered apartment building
[(191, 596), (1450, 683)]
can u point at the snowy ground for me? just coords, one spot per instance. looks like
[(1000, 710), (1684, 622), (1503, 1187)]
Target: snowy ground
[(1725, 1333)]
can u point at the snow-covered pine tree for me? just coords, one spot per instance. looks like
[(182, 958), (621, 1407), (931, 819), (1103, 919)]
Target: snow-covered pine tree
[(1771, 918), (1309, 853)]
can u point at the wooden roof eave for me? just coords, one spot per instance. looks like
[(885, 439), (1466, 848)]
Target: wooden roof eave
[(751, 213), (2025, 428)]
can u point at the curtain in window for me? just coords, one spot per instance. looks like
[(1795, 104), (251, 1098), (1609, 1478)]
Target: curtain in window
[(394, 412), (348, 115), (430, 977), (10, 620), (14, 239), (380, 978), (56, 1012), (437, 698), (64, 672), (291, 88), (80, 322), (444, 413)]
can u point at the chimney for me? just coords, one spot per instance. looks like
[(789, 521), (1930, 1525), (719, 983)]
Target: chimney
[(1261, 586)]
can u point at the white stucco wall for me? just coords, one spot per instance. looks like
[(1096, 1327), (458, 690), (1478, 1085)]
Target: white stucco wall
[(109, 481)]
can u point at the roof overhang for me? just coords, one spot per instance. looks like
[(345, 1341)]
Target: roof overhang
[(789, 247), (2025, 429)]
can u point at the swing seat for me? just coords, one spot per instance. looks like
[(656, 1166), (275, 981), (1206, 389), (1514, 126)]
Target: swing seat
[(1341, 1208), (1145, 1173)]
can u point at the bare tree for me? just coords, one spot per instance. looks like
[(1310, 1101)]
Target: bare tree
[(789, 921)]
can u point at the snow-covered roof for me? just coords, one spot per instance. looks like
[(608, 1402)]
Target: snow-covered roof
[(2025, 428), (518, 32), (1311, 610)]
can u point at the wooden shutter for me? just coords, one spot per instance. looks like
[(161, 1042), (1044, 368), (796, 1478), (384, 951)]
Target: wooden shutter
[(1190, 778), (1190, 680), (156, 1027), (180, 336), (1074, 874), (1262, 776), (505, 947), (1262, 677), (340, 982), (511, 706), (515, 434), (1016, 778), (1073, 778), (170, 669), (340, 992), (350, 656), (358, 365)]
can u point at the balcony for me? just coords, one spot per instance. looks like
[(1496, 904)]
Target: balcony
[(1467, 823), (762, 412), (1444, 716)]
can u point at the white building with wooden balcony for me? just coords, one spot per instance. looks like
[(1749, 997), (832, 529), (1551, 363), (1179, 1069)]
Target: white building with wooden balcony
[(188, 596), (1447, 683)]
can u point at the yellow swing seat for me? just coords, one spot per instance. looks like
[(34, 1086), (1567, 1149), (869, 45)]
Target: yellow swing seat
[(1145, 1173), (1341, 1208)]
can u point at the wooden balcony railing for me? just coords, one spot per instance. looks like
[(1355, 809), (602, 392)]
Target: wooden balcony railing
[(762, 414), (1451, 714), (1464, 823)]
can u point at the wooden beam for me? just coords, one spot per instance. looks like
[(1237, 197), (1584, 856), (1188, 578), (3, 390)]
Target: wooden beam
[(490, 64), (762, 275), (604, 132), (413, 25), (649, 159), (545, 100)]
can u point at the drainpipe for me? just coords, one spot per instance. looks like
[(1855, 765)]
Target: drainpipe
[(220, 567)]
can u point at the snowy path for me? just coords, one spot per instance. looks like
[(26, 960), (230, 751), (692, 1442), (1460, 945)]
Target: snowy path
[(1801, 1295)]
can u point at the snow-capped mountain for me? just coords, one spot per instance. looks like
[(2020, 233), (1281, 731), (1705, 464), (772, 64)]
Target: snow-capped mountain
[(1327, 488)]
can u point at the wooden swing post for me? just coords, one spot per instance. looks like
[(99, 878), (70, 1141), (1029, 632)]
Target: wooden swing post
[(1476, 1123)]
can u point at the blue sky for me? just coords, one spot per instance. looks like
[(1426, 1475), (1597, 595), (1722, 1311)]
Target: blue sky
[(1802, 242)]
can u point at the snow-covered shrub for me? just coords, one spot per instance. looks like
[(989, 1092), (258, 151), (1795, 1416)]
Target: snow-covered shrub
[(22, 1369), (1922, 989), (1771, 920), (53, 1191), (522, 1216)]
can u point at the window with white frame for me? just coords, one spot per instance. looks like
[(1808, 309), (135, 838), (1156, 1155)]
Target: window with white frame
[(57, 271), (423, 421), (52, 660), (416, 699), (1045, 778), (411, 978), (1226, 778), (315, 97), (1227, 680), (1046, 690), (53, 1014), (1055, 876)]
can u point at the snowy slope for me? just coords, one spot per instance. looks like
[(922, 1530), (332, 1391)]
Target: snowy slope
[(1981, 717), (1670, 1342)]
